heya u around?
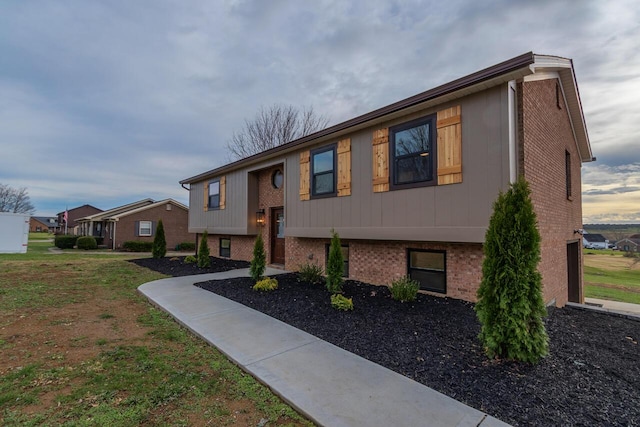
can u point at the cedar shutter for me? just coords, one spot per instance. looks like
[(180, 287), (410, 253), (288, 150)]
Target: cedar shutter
[(380, 160), (449, 146), (305, 163), (223, 191), (206, 196), (344, 167)]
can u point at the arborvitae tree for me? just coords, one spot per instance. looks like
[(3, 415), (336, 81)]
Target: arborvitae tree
[(510, 305), (259, 261), (335, 265), (159, 248), (203, 252)]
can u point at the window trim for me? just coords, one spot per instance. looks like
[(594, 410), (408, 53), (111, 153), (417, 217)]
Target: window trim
[(433, 154), (150, 228), (312, 178), (444, 272), (221, 248), (209, 206)]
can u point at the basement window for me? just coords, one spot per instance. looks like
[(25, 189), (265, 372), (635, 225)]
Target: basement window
[(428, 268), (225, 247), (345, 258)]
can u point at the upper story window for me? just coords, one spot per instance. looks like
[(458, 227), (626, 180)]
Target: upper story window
[(214, 194), (413, 150), (323, 171), (144, 228)]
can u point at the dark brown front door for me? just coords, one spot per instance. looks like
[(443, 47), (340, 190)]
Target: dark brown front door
[(277, 236), (573, 271)]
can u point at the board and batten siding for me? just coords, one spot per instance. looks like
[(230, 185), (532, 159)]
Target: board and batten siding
[(457, 212), (233, 219)]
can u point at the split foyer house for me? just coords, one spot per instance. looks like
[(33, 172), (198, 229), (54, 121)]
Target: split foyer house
[(137, 222), (410, 187)]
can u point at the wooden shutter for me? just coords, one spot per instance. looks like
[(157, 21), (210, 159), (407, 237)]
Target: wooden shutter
[(449, 146), (344, 167), (305, 163), (223, 191), (381, 160), (206, 196)]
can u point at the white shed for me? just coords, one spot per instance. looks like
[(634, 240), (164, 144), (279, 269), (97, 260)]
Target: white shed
[(14, 233)]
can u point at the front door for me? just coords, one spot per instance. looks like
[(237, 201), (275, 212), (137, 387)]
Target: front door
[(277, 236), (573, 271)]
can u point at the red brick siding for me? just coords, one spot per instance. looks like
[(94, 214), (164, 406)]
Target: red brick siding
[(380, 262), (241, 246), (175, 223), (545, 135)]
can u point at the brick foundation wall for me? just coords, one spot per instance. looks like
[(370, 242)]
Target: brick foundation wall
[(241, 246), (380, 262), (545, 135)]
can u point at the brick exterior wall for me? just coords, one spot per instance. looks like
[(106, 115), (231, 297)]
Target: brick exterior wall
[(175, 223), (241, 246), (74, 214), (545, 134), (380, 262)]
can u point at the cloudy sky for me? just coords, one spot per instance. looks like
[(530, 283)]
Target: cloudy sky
[(110, 102)]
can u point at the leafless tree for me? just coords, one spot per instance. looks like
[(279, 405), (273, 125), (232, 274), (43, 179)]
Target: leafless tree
[(274, 126), (15, 200)]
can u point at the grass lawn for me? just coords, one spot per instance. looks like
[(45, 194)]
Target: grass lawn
[(41, 236), (610, 275), (80, 346)]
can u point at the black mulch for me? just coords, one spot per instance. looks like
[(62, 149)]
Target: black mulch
[(591, 377), (175, 266)]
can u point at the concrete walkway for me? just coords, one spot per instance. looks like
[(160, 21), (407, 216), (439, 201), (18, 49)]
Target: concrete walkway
[(329, 385)]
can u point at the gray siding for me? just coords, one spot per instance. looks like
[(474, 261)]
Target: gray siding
[(454, 213)]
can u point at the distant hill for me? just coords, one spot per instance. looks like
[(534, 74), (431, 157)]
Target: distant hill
[(613, 232)]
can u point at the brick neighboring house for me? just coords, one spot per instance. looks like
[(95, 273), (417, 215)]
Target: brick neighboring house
[(410, 186), (41, 224), (137, 222), (72, 226), (629, 244)]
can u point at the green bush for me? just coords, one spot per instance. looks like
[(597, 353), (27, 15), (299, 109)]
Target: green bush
[(137, 246), (99, 240), (510, 307), (335, 265), (159, 248), (404, 289), (266, 284), (340, 302), (190, 259), (64, 241), (259, 261), (186, 246), (86, 243), (203, 252), (311, 273)]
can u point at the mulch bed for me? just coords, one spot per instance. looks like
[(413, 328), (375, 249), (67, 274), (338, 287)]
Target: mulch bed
[(591, 376), (175, 266)]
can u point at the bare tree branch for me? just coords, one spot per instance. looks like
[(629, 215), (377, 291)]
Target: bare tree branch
[(15, 200), (271, 127)]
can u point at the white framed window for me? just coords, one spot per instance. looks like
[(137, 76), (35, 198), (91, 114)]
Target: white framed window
[(144, 228)]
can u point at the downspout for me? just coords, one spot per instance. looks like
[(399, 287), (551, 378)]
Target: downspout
[(513, 131)]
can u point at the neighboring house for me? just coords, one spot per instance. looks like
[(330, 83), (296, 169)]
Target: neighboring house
[(410, 186), (594, 241), (42, 224), (630, 244), (138, 221), (71, 226)]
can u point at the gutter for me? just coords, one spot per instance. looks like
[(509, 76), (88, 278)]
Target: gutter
[(503, 68)]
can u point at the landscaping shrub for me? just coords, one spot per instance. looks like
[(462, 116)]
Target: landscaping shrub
[(64, 241), (86, 243), (259, 261), (190, 259), (340, 302), (266, 284), (404, 289), (159, 248), (186, 246), (137, 246), (311, 273), (335, 265), (510, 307), (99, 240), (203, 252)]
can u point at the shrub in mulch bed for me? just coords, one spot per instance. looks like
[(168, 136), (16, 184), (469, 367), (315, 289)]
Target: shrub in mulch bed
[(177, 267), (591, 376)]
